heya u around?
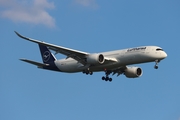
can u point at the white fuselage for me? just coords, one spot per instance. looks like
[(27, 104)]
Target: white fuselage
[(115, 62), (124, 57)]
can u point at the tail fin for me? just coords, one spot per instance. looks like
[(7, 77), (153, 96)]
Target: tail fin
[(46, 55)]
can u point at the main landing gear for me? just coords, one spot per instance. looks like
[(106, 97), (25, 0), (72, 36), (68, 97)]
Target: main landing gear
[(87, 72), (107, 78), (156, 64)]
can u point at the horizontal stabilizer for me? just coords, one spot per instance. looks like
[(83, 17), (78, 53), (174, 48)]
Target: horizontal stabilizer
[(38, 64)]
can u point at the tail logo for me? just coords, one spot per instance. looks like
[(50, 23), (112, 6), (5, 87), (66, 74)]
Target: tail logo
[(46, 56)]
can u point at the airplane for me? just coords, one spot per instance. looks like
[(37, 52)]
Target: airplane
[(111, 62)]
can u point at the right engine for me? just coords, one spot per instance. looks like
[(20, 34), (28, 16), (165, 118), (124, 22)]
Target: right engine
[(133, 72)]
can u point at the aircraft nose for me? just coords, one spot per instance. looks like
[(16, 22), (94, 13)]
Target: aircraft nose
[(165, 55)]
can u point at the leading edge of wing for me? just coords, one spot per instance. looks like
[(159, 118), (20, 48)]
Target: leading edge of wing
[(56, 48)]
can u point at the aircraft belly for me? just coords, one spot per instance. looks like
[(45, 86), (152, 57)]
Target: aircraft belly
[(70, 66), (105, 66)]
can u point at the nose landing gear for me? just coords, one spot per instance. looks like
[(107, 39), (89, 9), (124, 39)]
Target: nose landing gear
[(156, 64)]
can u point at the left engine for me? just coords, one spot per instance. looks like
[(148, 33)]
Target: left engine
[(95, 59), (133, 72)]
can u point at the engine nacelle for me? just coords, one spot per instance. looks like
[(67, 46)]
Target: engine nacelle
[(95, 59), (133, 72)]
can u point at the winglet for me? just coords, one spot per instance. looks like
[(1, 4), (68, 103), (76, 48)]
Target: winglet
[(21, 36), (26, 38)]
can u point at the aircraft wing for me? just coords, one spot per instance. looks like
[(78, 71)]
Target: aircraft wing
[(75, 54)]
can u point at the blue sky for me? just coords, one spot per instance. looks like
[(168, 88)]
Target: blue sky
[(28, 93)]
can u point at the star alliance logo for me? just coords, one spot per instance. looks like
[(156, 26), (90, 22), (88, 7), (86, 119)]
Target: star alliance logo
[(46, 56)]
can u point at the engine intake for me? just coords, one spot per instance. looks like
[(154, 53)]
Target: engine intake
[(95, 59), (133, 72)]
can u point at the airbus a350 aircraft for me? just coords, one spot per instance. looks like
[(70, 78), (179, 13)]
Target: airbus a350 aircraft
[(111, 62)]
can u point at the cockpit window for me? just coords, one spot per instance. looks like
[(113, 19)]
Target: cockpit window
[(159, 49)]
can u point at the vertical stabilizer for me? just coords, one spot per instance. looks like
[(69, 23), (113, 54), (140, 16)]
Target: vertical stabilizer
[(47, 56)]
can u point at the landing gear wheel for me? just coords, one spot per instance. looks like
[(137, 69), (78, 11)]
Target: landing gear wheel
[(90, 72), (87, 72), (107, 78), (103, 78), (110, 79), (156, 64), (156, 67)]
